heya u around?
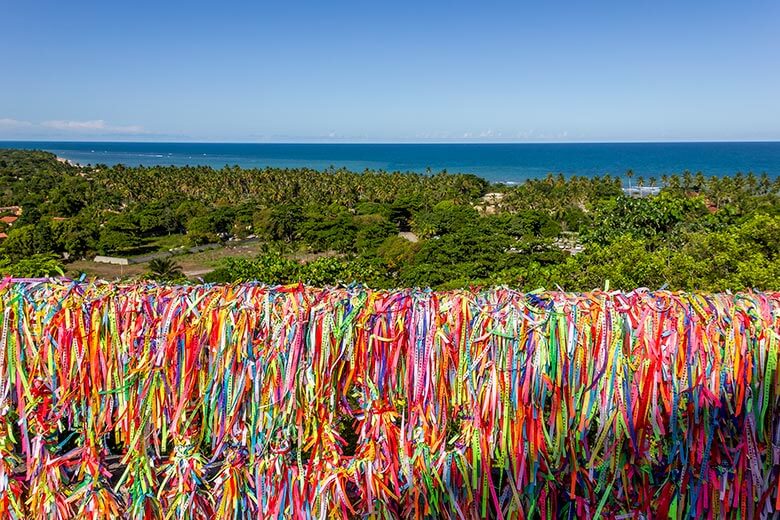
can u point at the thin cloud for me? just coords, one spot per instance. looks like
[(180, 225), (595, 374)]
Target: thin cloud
[(92, 126), (11, 128), (6, 122)]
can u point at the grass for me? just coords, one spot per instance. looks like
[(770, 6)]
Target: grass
[(193, 264)]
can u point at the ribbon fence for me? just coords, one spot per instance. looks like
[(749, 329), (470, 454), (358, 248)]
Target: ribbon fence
[(250, 401)]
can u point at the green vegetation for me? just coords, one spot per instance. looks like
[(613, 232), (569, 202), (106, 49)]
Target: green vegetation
[(35, 266), (698, 233)]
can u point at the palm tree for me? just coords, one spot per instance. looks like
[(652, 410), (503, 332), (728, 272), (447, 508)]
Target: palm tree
[(752, 183), (699, 181), (764, 184), (164, 269), (687, 180)]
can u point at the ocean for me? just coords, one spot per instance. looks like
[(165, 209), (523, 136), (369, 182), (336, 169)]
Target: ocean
[(494, 162)]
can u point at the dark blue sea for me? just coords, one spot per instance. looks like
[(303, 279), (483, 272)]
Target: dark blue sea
[(494, 162)]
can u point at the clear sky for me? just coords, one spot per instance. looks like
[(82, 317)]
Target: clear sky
[(390, 71)]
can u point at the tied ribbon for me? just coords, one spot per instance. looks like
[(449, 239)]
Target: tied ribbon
[(252, 401)]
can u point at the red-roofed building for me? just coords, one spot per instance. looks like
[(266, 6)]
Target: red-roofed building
[(9, 219), (3, 236)]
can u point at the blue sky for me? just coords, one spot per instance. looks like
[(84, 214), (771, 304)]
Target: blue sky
[(390, 71)]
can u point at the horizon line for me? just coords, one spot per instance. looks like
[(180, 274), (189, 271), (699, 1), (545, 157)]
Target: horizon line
[(402, 141)]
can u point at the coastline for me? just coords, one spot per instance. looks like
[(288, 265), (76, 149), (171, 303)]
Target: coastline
[(496, 163), (67, 161)]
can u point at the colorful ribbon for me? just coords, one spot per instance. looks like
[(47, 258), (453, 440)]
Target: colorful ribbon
[(250, 401)]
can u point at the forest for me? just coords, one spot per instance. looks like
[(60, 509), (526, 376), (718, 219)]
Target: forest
[(394, 229)]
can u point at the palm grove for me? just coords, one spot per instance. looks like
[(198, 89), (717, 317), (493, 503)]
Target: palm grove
[(707, 233)]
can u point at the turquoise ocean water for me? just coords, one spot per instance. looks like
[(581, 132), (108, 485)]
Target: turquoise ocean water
[(494, 162)]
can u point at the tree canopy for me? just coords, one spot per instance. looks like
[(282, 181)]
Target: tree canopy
[(390, 229)]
